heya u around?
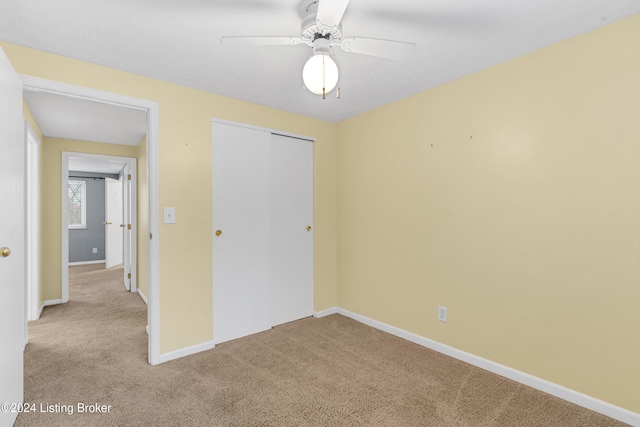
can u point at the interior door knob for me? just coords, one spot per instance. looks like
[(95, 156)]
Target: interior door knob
[(218, 232), (5, 252), (308, 228), (122, 225)]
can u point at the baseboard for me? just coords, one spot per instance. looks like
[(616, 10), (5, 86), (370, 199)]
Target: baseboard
[(40, 311), (548, 387), (208, 345), (142, 296), (187, 351), (71, 264), (327, 312), (51, 302)]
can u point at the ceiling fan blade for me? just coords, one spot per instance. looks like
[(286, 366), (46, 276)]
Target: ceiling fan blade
[(378, 47), (330, 12), (260, 41)]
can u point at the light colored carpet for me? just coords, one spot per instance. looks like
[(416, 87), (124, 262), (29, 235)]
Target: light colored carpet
[(313, 372)]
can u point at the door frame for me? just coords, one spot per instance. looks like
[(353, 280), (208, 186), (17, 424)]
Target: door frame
[(34, 308), (128, 162), (152, 108)]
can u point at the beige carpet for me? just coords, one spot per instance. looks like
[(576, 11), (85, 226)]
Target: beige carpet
[(313, 372)]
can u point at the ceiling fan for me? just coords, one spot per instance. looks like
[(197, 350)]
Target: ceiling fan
[(322, 30)]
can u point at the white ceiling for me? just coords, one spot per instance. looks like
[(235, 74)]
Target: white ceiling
[(179, 42), (61, 116), (77, 164)]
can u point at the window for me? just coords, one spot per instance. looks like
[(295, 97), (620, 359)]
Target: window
[(77, 213)]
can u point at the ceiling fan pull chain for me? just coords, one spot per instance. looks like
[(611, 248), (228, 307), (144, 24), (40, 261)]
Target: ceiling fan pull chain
[(323, 84)]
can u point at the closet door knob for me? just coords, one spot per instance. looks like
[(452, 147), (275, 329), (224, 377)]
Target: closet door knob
[(218, 232), (308, 228), (5, 252)]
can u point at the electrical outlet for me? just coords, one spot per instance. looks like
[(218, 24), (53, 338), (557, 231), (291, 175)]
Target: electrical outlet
[(442, 313), (95, 250)]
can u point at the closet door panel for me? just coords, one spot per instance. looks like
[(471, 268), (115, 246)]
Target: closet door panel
[(241, 212), (292, 242)]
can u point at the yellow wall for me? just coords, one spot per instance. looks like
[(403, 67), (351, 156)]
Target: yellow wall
[(142, 217), (28, 117), (51, 164), (512, 197), (185, 159), (51, 199)]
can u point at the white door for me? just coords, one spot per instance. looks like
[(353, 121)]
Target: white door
[(291, 228), (113, 219), (12, 240), (126, 220), (241, 215), (263, 235)]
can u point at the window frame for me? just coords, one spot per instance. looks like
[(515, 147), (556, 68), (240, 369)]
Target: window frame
[(83, 204)]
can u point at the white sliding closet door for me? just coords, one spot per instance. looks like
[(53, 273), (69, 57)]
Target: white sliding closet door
[(263, 211), (291, 222), (241, 212)]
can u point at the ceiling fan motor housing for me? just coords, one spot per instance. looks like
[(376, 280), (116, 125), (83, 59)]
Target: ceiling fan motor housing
[(311, 29)]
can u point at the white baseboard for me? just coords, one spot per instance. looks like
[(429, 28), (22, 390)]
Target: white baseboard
[(210, 344), (51, 302), (147, 329), (187, 351), (548, 387), (40, 311), (327, 312), (71, 264), (142, 296)]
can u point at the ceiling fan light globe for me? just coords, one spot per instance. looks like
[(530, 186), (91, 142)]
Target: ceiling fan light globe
[(320, 72)]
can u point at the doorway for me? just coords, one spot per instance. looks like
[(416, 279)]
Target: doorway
[(99, 200), (34, 84)]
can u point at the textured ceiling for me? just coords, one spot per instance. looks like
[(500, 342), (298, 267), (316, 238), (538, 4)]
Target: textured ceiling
[(61, 116), (179, 42)]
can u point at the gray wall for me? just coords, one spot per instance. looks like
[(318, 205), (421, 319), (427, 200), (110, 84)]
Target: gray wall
[(82, 241)]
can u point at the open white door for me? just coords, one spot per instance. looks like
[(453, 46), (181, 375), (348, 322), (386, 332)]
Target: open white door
[(126, 224), (12, 241), (113, 218)]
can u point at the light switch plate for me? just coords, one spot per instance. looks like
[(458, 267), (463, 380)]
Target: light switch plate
[(169, 215)]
